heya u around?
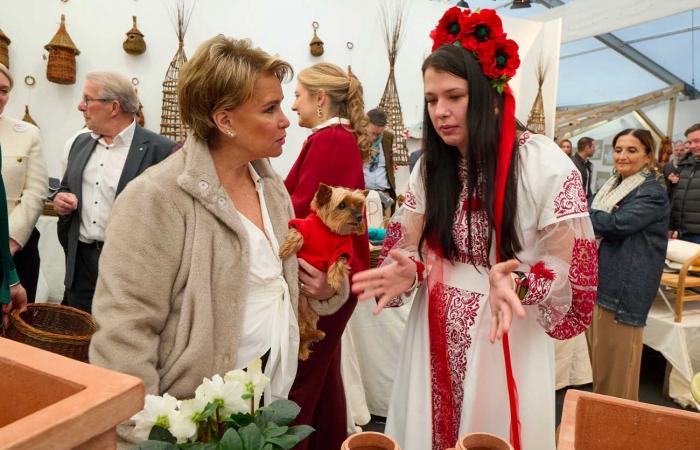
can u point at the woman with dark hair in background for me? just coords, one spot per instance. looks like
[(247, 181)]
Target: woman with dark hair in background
[(630, 216), (329, 102), (479, 178), (566, 147)]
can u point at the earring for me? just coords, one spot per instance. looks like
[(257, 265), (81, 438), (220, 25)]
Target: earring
[(230, 132), (319, 111)]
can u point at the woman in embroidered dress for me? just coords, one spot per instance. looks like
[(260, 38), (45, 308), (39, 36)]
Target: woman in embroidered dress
[(469, 205), (630, 215), (329, 102)]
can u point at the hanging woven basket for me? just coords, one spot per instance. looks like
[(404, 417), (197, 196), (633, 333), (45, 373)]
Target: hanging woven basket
[(62, 53), (28, 117), (4, 49), (134, 43), (316, 44)]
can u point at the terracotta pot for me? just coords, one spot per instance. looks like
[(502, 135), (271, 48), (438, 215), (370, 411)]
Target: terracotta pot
[(599, 422), (50, 401), (369, 440), (482, 441)]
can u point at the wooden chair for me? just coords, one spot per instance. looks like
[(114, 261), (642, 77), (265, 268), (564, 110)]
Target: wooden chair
[(680, 282)]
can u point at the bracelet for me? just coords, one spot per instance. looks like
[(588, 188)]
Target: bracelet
[(15, 283), (521, 284)]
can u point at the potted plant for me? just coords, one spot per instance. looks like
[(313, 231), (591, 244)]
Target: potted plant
[(223, 415)]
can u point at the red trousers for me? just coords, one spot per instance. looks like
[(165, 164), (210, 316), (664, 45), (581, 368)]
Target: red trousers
[(318, 387)]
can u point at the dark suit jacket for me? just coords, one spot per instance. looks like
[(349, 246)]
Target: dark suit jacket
[(147, 149), (387, 145), (585, 168)]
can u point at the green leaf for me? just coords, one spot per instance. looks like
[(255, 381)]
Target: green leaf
[(251, 437), (209, 411), (264, 416), (199, 446), (285, 411), (155, 445), (301, 431), (247, 396), (293, 437), (159, 433), (239, 420), (231, 441), (274, 431), (268, 446)]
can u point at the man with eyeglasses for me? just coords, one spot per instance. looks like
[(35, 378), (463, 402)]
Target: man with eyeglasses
[(98, 164), (379, 170), (685, 204)]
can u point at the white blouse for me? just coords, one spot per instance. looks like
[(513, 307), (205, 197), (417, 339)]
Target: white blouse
[(269, 322)]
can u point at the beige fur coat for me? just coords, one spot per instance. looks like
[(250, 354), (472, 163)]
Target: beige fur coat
[(173, 274)]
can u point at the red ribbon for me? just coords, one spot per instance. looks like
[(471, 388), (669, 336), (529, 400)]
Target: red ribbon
[(505, 154)]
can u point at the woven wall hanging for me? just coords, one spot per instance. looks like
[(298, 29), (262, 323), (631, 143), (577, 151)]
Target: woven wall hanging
[(390, 104), (171, 123), (4, 50), (134, 43), (62, 53)]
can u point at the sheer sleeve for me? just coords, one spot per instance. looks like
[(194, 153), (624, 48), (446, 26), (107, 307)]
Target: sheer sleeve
[(562, 282), (405, 229), (560, 254)]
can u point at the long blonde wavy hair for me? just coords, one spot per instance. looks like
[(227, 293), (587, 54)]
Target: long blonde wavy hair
[(345, 93)]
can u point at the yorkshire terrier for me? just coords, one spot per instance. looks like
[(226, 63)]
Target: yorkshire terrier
[(324, 240)]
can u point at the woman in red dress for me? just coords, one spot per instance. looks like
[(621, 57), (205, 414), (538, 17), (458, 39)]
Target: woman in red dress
[(329, 102)]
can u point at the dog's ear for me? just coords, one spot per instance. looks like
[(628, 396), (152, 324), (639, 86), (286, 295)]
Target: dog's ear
[(364, 193), (323, 195)]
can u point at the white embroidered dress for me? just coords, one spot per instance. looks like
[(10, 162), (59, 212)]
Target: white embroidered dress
[(451, 380)]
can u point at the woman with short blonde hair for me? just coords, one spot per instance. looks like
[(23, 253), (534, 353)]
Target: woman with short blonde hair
[(195, 287), (329, 102)]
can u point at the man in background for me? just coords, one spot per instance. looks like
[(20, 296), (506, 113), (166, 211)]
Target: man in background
[(586, 149), (685, 204), (98, 165), (379, 170)]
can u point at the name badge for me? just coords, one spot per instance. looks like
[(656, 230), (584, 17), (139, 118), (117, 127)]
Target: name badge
[(20, 127)]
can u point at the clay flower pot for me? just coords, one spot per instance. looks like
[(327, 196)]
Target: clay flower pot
[(599, 422), (369, 440), (482, 441)]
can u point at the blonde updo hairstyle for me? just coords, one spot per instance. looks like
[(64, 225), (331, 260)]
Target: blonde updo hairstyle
[(346, 98), (220, 77)]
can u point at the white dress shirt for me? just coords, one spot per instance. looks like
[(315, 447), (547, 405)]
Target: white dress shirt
[(100, 179), (269, 322)]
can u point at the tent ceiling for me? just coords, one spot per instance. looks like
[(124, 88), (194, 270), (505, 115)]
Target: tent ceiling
[(591, 72)]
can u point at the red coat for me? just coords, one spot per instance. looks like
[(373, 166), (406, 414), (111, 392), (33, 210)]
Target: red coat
[(322, 247), (329, 156)]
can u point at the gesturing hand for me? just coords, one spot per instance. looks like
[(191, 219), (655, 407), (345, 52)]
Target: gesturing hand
[(386, 282), (503, 299)]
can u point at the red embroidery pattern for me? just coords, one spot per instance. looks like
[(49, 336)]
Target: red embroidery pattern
[(572, 198), (409, 199), (394, 233), (583, 276), (524, 138), (452, 314), (479, 226), (538, 289)]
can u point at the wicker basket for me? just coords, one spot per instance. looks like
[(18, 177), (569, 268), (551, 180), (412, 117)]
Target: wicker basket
[(374, 252), (4, 50), (62, 53), (134, 43), (55, 328)]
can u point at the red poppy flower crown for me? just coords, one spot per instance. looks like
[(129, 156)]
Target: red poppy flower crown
[(480, 32)]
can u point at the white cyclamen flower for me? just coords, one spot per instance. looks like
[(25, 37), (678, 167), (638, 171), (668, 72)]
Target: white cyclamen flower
[(156, 411), (183, 424), (253, 379), (227, 395)]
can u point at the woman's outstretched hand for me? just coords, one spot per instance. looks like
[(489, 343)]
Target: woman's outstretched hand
[(386, 282), (503, 299)]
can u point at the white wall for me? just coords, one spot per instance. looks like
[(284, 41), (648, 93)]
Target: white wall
[(98, 29)]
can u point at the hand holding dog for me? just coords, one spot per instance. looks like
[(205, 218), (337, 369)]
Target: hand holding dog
[(385, 282), (314, 282)]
